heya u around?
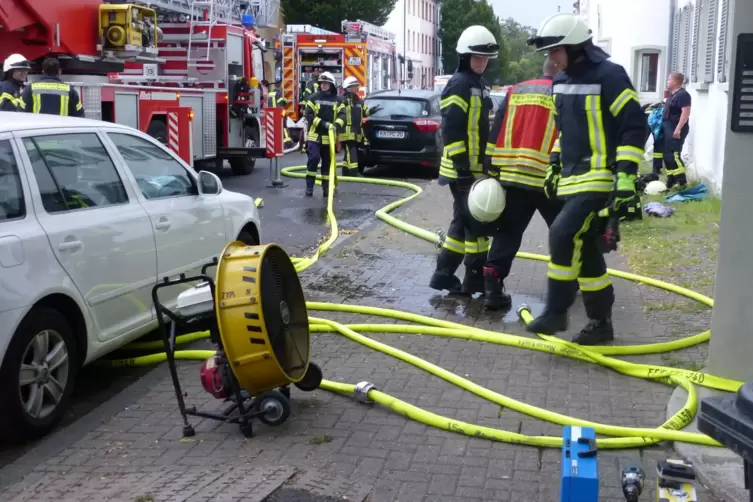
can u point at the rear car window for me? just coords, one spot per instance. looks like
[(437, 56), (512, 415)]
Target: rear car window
[(397, 107), (11, 194)]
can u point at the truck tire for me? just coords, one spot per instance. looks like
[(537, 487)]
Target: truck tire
[(158, 130), (242, 167), (44, 346)]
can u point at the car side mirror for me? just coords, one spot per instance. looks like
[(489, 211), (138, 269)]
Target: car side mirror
[(209, 183)]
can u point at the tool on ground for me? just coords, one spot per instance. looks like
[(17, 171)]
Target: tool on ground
[(611, 233), (486, 200), (675, 481), (632, 483), (729, 420), (255, 313), (580, 471)]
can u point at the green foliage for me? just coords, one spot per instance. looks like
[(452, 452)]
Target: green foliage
[(328, 14), (524, 63), (456, 16)]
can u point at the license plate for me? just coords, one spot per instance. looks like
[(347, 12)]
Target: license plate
[(391, 134)]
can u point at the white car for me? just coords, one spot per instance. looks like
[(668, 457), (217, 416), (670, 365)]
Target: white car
[(92, 215)]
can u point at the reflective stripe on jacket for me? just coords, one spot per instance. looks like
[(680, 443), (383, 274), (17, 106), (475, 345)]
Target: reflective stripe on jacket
[(323, 109), (276, 99), (10, 96), (465, 107), (52, 97), (523, 135), (602, 128), (355, 111)]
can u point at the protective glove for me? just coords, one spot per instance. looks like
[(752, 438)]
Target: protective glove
[(552, 181), (624, 190)]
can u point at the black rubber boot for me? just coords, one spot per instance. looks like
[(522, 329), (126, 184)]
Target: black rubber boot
[(325, 190), (548, 323), (473, 282), (309, 192), (595, 332), (495, 297), (443, 280)]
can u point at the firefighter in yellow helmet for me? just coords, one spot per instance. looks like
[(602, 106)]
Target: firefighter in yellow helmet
[(15, 70), (592, 167), (355, 111), (50, 95), (465, 106)]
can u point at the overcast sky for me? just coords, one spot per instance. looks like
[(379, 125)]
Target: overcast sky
[(529, 12)]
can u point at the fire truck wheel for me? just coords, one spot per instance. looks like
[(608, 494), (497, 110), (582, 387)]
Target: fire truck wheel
[(157, 130), (246, 165)]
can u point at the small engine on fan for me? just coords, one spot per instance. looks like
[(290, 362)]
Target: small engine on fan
[(215, 376)]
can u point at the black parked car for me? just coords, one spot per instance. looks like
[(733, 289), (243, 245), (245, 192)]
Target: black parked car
[(405, 130)]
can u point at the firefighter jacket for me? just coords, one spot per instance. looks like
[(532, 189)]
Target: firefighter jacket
[(523, 135), (52, 96), (322, 109), (355, 111), (10, 95), (276, 99), (602, 129), (465, 108), (312, 87)]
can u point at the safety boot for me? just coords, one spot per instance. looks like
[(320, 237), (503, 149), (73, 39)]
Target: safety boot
[(548, 323), (495, 297), (443, 280), (595, 332), (473, 282), (309, 191)]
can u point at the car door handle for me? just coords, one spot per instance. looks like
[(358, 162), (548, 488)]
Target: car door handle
[(162, 224), (70, 246)]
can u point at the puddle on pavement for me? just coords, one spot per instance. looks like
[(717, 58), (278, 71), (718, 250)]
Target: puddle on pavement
[(466, 307), (351, 217)]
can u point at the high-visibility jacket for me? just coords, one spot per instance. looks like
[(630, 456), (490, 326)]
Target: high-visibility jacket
[(311, 88), (523, 135), (52, 96), (276, 99), (355, 111), (10, 96), (323, 109), (465, 108), (601, 127)]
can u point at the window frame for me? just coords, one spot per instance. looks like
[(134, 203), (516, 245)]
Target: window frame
[(638, 53), (35, 192), (192, 173), (26, 199)]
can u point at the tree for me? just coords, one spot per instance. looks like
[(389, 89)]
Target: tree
[(456, 16), (328, 14), (524, 63)]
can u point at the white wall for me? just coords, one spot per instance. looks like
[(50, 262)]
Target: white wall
[(415, 23)]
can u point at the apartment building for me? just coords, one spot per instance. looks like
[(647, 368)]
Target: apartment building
[(416, 23), (651, 38)]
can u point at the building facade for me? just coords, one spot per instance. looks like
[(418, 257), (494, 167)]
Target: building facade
[(416, 23), (650, 39)]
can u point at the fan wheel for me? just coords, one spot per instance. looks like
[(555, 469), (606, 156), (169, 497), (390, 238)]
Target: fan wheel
[(273, 406)]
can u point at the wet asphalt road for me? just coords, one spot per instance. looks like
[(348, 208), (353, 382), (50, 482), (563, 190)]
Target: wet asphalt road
[(295, 222)]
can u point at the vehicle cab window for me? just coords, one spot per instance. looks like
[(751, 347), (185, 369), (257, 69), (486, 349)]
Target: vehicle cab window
[(12, 203), (74, 171), (157, 173)]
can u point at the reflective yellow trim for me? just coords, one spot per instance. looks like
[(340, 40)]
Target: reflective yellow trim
[(454, 149), (474, 116), (619, 103), (598, 180), (556, 147), (453, 100), (528, 152), (596, 136), (451, 244), (509, 127), (680, 169), (532, 99), (572, 271), (630, 154), (481, 245), (593, 284), (550, 128)]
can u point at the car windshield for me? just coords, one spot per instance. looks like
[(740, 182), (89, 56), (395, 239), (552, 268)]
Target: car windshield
[(396, 107)]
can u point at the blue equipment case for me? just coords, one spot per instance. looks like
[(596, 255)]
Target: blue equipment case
[(580, 472)]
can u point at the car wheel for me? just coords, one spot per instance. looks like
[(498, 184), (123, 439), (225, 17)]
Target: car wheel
[(37, 375), (248, 239)]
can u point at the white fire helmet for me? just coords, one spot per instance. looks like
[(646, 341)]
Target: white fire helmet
[(486, 200), (655, 188)]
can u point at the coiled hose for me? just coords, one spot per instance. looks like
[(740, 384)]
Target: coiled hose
[(620, 437)]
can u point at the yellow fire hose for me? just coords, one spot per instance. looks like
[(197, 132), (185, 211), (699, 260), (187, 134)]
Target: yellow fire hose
[(621, 437)]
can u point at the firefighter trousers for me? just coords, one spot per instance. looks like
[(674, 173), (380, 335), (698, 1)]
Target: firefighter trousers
[(463, 243), (317, 152), (507, 232), (350, 159), (576, 255), (658, 163), (673, 154)]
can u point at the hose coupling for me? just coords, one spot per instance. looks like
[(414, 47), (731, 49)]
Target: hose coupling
[(362, 392), (441, 235), (523, 307)]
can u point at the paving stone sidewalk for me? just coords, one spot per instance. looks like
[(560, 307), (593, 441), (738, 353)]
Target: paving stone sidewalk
[(334, 446)]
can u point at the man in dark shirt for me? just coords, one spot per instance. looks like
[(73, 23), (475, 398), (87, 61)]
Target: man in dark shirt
[(675, 128)]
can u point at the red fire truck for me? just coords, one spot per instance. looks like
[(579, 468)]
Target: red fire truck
[(131, 62)]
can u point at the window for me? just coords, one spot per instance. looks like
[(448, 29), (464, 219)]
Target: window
[(11, 194), (157, 173), (722, 61), (74, 171), (648, 71), (397, 108)]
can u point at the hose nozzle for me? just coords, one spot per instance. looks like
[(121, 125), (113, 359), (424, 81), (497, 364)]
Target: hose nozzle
[(523, 307)]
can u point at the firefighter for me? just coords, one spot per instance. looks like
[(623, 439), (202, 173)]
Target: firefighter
[(593, 167), (355, 111), (15, 70), (323, 114), (675, 129), (517, 154), (50, 95), (276, 99), (465, 107)]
